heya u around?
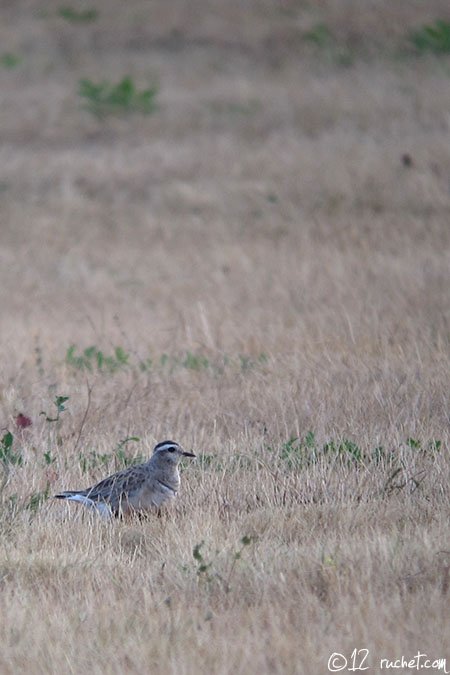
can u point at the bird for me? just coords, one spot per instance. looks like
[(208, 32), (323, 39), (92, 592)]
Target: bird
[(138, 489)]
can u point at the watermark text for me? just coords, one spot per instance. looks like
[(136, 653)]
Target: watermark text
[(360, 660)]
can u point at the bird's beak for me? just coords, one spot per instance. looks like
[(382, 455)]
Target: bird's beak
[(188, 454)]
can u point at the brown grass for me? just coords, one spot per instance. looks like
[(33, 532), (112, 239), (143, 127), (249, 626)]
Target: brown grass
[(264, 221)]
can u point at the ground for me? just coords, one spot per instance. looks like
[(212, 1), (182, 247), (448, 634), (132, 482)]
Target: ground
[(259, 270)]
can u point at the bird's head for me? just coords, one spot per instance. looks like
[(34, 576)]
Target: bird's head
[(169, 452)]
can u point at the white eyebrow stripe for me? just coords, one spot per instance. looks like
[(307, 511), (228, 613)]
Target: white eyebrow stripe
[(166, 446)]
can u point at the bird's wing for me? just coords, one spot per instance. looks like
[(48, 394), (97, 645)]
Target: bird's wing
[(115, 488)]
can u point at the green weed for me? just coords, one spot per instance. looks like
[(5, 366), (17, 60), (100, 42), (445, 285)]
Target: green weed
[(93, 460), (117, 459), (146, 364), (319, 35), (206, 461), (249, 362), (121, 458), (9, 60), (298, 453), (164, 359), (346, 450), (433, 37), (432, 446), (37, 499), (379, 455), (205, 569), (78, 16), (323, 40), (121, 99), (7, 453), (49, 458), (93, 358), (60, 404), (194, 361)]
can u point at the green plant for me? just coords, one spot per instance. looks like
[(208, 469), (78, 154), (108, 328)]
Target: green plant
[(378, 455), (49, 458), (54, 419), (78, 16), (249, 362), (59, 403), (37, 498), (323, 40), (9, 60), (93, 460), (206, 461), (118, 458), (146, 364), (121, 458), (205, 569), (432, 446), (246, 540), (292, 452), (195, 361), (297, 453), (319, 35), (433, 37), (7, 453), (93, 358), (345, 450), (104, 98)]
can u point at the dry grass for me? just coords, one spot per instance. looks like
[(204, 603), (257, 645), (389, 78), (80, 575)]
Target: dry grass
[(263, 240)]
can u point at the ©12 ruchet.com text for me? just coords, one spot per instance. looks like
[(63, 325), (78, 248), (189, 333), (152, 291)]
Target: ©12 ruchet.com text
[(361, 660)]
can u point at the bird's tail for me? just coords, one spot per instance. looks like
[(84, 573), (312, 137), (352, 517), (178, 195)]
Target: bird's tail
[(73, 496), (67, 494)]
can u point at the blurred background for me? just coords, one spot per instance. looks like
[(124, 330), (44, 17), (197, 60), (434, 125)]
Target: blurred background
[(240, 177)]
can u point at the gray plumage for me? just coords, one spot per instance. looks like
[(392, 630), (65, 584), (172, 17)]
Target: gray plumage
[(139, 488)]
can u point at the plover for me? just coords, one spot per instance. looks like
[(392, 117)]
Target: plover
[(137, 489)]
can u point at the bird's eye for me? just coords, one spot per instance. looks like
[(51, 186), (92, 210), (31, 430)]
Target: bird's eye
[(172, 449)]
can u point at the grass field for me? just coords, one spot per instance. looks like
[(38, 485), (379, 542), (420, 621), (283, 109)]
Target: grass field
[(258, 269)]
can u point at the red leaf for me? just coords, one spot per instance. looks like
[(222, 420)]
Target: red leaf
[(22, 421)]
